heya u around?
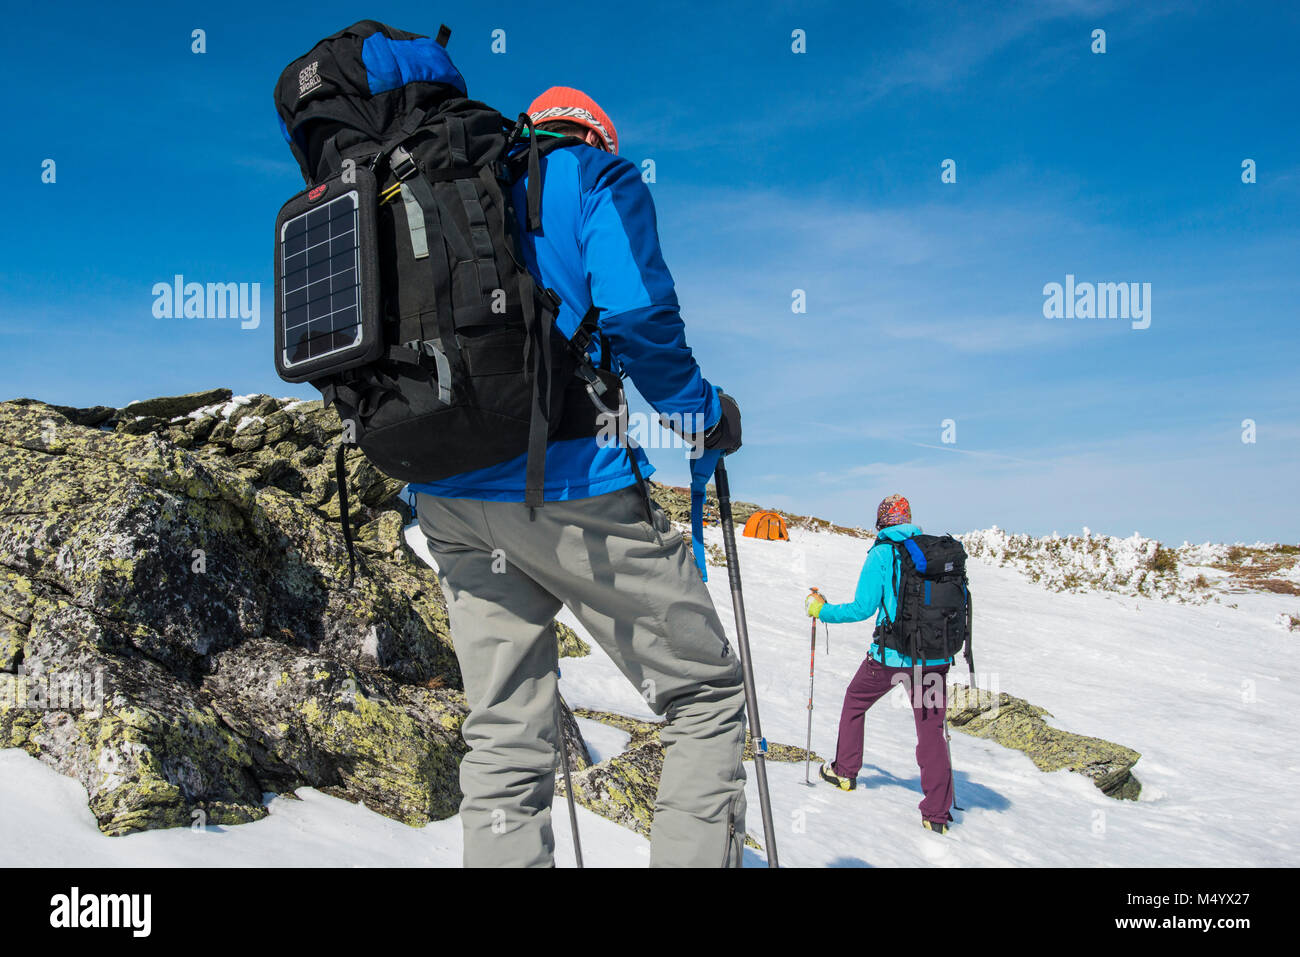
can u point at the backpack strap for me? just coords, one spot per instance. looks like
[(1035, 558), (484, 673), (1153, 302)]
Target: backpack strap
[(531, 155), (895, 575), (480, 232), (703, 468), (478, 249), (887, 628), (437, 259), (331, 159), (456, 144), (415, 223), (534, 192), (338, 389), (588, 331), (429, 356), (394, 152), (537, 348)]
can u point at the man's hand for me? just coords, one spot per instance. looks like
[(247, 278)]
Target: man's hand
[(813, 603), (725, 434)]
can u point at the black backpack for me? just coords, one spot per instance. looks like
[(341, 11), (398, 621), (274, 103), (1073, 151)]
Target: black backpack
[(401, 290), (933, 615)]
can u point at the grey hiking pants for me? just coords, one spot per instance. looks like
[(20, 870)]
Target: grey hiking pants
[(635, 588)]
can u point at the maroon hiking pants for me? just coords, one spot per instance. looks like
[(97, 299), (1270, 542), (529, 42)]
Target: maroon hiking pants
[(872, 682)]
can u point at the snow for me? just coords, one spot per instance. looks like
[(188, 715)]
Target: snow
[(46, 824), (603, 741), (224, 410), (1203, 691), (1112, 564), (1198, 690)]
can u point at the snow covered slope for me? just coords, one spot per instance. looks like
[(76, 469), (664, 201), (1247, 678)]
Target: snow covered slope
[(44, 822), (1203, 691)]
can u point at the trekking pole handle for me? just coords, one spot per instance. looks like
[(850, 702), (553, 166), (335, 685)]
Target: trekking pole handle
[(721, 485)]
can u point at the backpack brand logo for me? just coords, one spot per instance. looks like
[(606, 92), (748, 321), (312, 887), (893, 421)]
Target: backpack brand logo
[(317, 193), (308, 78), (947, 566)]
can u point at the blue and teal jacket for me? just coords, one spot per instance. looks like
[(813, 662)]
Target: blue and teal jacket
[(875, 596), (599, 245)]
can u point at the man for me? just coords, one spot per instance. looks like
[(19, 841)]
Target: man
[(597, 545), (885, 667)]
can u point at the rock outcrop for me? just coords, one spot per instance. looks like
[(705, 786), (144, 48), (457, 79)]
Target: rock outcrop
[(570, 645), (176, 628), (1015, 723), (622, 788)]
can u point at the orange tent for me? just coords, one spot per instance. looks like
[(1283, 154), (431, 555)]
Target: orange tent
[(769, 525)]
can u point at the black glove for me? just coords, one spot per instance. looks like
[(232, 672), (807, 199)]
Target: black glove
[(725, 434)]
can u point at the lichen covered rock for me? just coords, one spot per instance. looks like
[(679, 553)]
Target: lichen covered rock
[(1015, 723), (570, 645), (196, 583), (169, 407), (623, 787)]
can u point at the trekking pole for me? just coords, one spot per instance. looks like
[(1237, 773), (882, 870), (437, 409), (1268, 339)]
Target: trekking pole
[(742, 642), (812, 661), (974, 688), (952, 773), (568, 780), (970, 658)]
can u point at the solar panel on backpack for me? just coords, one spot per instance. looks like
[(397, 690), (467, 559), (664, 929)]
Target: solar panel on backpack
[(326, 279)]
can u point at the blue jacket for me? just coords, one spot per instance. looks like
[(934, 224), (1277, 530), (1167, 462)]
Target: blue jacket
[(599, 244), (875, 594)]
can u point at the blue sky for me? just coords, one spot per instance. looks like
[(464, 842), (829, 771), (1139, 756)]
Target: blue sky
[(775, 171)]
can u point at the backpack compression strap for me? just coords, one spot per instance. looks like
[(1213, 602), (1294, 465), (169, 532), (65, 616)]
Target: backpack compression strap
[(537, 350)]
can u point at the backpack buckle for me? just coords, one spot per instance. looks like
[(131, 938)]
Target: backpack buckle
[(402, 163), (586, 369), (587, 373), (580, 341), (596, 390), (442, 367)]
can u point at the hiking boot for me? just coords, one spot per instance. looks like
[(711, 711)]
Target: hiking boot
[(939, 827), (844, 784)]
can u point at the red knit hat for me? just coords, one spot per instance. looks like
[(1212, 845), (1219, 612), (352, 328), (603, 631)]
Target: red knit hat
[(894, 510), (574, 106)]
